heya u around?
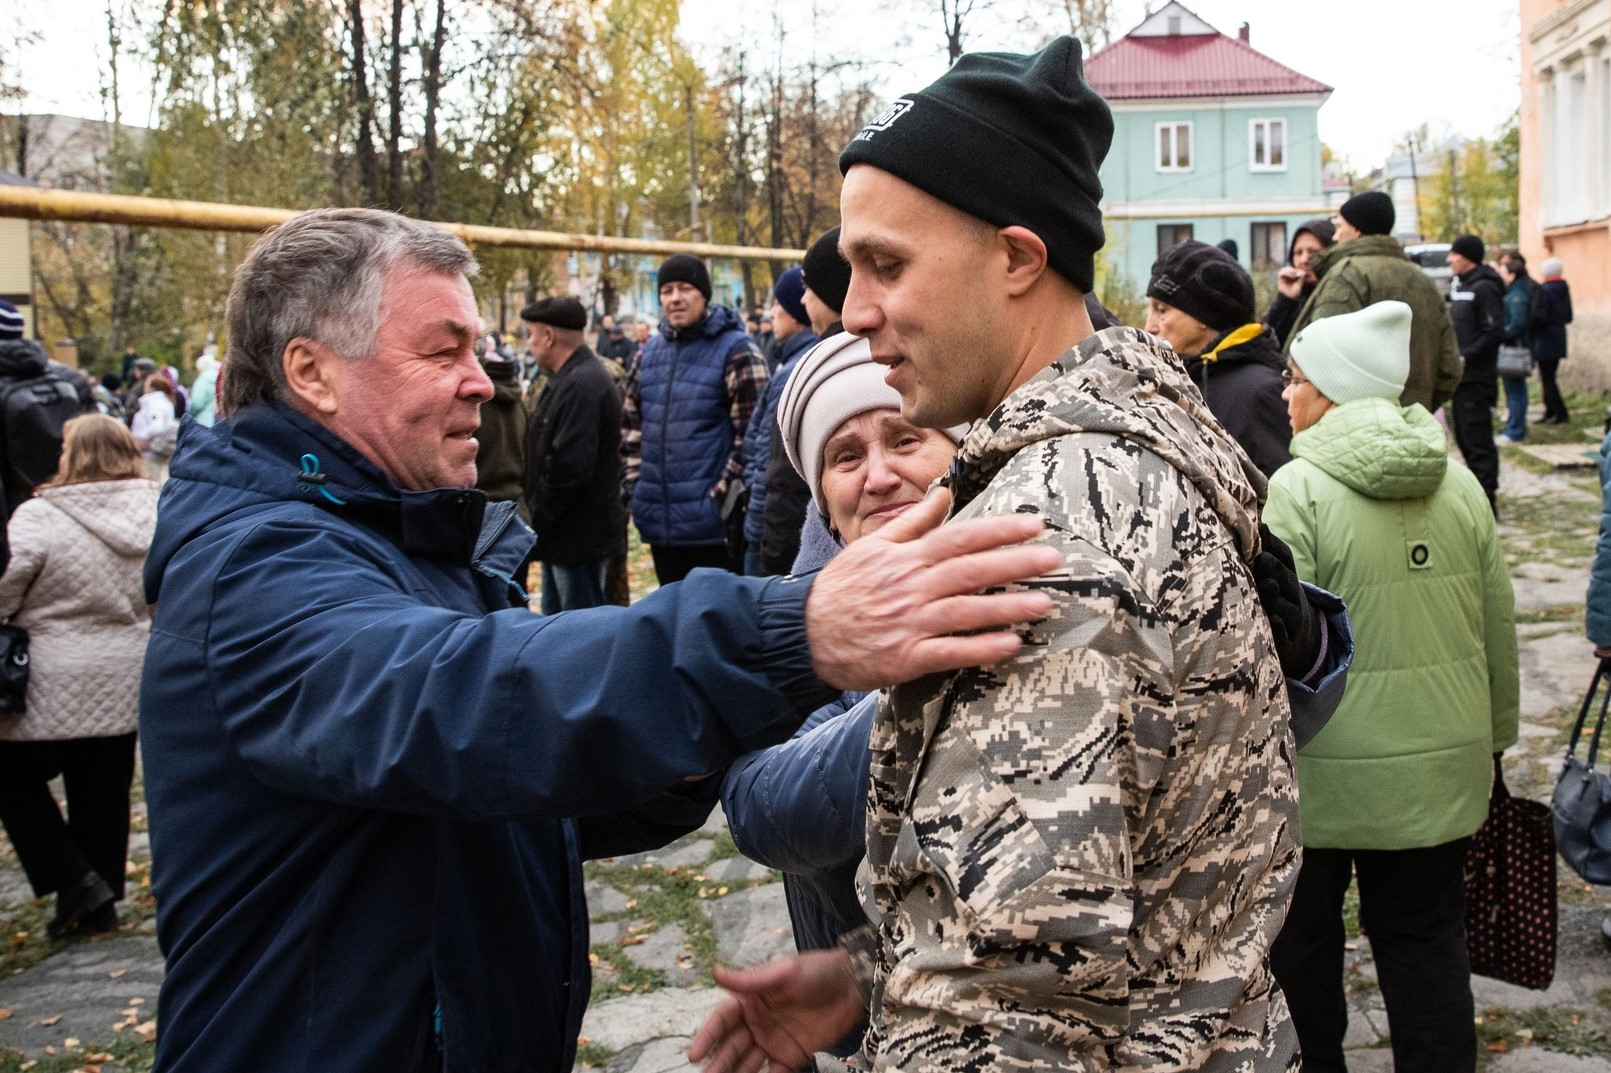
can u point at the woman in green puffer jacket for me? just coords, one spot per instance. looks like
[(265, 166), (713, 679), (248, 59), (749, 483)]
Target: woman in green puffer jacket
[(1392, 789)]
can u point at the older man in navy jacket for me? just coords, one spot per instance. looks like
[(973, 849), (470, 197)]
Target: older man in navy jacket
[(372, 774)]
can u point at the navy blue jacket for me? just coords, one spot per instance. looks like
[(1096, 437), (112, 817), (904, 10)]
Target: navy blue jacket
[(758, 437), (687, 429), (372, 780), (1549, 333)]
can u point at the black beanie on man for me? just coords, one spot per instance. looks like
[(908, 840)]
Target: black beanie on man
[(1014, 140), (1372, 213), (1470, 247), (684, 268), (826, 272), (1205, 282)]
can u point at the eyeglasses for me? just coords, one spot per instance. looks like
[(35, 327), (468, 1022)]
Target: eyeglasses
[(1288, 378)]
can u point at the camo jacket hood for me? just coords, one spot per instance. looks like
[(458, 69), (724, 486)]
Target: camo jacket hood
[(1078, 859)]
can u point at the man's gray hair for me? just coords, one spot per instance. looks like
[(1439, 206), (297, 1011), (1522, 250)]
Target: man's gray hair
[(319, 276)]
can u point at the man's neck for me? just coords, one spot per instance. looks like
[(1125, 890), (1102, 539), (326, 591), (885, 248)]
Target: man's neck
[(559, 363), (1049, 335)]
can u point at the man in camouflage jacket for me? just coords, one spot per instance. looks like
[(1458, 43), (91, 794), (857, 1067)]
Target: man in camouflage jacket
[(1078, 859)]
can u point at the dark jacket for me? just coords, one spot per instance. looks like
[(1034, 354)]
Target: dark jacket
[(687, 429), (787, 499), (759, 437), (372, 780), (1555, 313), (616, 349), (47, 395), (1518, 304), (1477, 311), (1283, 311), (1242, 385), (1374, 268), (500, 463), (573, 465)]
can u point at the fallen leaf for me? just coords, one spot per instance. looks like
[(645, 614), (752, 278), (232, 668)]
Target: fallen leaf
[(628, 988), (47, 1022), (117, 1029), (28, 1065), (17, 940), (592, 959), (720, 891), (71, 1043), (50, 1048), (136, 1000), (1499, 1046), (89, 1069), (115, 973), (582, 1041), (632, 904), (6, 1013), (634, 940), (99, 1056), (146, 1030)]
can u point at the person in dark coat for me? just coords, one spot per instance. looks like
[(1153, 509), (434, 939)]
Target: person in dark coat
[(1520, 291), (1200, 302), (1295, 282), (500, 461), (372, 775), (792, 324), (1477, 309), (1549, 321), (573, 472)]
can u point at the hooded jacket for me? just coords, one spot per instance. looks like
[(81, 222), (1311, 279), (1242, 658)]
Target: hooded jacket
[(37, 397), (1374, 268), (1241, 380), (1374, 510), (1079, 858), (372, 775), (1477, 311), (1283, 311), (500, 460), (74, 584)]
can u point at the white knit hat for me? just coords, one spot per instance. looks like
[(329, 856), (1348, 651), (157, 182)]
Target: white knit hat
[(833, 382), (1359, 355)]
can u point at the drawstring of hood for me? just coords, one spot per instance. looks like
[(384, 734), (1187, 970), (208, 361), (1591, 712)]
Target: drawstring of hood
[(310, 475)]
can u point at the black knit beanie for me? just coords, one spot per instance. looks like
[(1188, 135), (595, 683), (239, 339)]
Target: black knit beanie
[(1014, 140), (685, 268), (1372, 213), (1470, 247), (1205, 282), (826, 272)]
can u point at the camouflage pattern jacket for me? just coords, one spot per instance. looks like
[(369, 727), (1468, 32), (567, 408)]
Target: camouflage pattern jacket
[(1079, 859)]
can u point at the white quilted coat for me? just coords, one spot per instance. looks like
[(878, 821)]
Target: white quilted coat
[(74, 581)]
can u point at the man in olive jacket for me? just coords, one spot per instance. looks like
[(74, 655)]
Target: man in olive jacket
[(573, 469), (1367, 266)]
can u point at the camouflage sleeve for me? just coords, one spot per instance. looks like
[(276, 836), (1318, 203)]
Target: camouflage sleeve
[(631, 435)]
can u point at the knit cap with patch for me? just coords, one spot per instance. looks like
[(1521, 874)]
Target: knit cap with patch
[(1359, 355), (1011, 139)]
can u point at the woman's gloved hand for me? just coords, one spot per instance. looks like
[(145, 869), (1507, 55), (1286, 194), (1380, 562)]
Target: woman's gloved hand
[(1294, 622)]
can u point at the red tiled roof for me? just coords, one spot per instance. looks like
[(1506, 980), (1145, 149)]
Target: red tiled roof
[(1194, 65)]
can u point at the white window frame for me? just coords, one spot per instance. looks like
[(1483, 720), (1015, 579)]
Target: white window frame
[(1174, 145), (1268, 123)]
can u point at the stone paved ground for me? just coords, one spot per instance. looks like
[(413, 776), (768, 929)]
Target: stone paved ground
[(661, 920)]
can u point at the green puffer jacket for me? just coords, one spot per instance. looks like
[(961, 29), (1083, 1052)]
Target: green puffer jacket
[(1374, 268), (1375, 511)]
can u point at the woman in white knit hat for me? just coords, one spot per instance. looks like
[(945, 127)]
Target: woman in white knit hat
[(1392, 789)]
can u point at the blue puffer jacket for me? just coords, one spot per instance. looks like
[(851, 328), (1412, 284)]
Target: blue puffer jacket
[(758, 437), (1599, 599), (687, 429), (372, 780)]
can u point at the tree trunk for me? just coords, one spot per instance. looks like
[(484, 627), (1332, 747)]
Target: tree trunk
[(394, 100), (368, 166), (428, 191)]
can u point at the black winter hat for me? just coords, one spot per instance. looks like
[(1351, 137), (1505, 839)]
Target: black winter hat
[(1470, 247), (685, 268), (1205, 282), (566, 313), (1014, 140), (1372, 213), (826, 272)]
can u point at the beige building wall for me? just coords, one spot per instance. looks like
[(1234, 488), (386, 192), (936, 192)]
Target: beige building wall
[(16, 269), (1565, 190)]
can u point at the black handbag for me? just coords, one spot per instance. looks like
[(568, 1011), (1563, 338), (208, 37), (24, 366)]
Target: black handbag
[(13, 670), (1582, 801), (1510, 892)]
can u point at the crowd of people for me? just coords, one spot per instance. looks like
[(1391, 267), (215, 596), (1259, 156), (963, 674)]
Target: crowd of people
[(1070, 672)]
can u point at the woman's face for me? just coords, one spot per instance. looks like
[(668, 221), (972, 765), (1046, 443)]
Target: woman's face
[(875, 466), (1305, 246), (1305, 404)]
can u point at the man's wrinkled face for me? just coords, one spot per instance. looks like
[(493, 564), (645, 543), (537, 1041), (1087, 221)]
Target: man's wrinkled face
[(413, 407), (1188, 336), (925, 292), (682, 304)]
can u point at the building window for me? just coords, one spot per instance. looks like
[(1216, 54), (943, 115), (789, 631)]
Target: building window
[(1172, 235), (1269, 245), (1174, 146), (1267, 144)]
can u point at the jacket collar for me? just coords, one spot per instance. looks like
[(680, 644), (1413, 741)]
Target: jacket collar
[(1322, 261)]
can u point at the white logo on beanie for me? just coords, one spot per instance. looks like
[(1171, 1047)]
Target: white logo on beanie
[(885, 119)]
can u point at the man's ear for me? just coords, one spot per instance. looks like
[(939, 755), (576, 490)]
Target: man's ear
[(1026, 258), (311, 371)]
